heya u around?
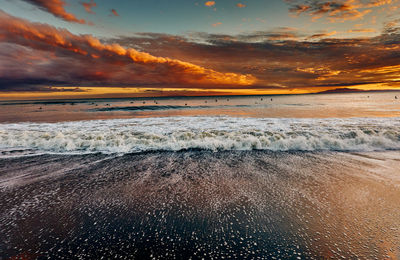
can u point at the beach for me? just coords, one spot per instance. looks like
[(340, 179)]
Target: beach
[(214, 185)]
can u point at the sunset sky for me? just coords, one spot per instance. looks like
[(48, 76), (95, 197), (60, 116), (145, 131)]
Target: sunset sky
[(100, 48)]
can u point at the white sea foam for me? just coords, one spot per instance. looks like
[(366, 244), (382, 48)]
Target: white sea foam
[(211, 133)]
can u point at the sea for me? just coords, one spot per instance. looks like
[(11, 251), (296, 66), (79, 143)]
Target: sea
[(222, 177)]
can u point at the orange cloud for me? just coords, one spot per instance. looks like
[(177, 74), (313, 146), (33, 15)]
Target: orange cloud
[(209, 3), (322, 35), (114, 12), (45, 37), (216, 24), (88, 6), (362, 30), (240, 5), (349, 15), (337, 10), (288, 63), (378, 3), (56, 8)]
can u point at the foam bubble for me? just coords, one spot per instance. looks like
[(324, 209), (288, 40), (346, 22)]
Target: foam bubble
[(211, 133)]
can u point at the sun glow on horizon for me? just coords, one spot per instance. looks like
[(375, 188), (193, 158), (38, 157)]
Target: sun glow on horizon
[(126, 92)]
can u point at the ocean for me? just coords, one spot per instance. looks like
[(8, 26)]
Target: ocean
[(239, 177)]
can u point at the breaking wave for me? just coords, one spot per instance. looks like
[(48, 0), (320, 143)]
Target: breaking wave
[(209, 133), (153, 108)]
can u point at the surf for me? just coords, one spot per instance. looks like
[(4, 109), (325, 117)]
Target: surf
[(204, 133)]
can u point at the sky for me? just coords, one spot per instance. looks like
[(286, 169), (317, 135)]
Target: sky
[(102, 48)]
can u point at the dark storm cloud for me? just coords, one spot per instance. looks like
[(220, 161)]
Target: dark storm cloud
[(33, 85)]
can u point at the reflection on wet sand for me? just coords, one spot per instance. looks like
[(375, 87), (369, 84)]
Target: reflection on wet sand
[(199, 204)]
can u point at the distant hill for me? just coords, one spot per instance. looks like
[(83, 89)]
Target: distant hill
[(352, 90)]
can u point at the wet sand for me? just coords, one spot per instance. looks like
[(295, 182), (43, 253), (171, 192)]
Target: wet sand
[(199, 204)]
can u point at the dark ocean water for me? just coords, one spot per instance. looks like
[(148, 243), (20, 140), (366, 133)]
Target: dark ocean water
[(348, 105)]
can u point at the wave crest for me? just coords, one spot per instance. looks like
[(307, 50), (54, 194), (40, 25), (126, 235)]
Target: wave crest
[(210, 133)]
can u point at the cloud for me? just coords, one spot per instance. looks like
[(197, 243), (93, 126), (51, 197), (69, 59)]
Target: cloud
[(114, 12), (336, 10), (216, 24), (281, 59), (279, 34), (60, 56), (209, 3), (296, 63), (33, 85), (240, 5), (375, 3), (322, 35), (392, 26), (88, 6), (56, 8), (361, 30)]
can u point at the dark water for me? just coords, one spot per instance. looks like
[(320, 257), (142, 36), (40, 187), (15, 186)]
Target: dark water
[(383, 104), (199, 204)]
